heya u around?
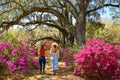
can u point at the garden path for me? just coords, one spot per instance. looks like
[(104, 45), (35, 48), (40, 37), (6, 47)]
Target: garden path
[(63, 73)]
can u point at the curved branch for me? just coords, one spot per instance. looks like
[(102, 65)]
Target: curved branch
[(47, 38), (74, 8), (36, 9), (7, 11), (46, 23), (105, 5)]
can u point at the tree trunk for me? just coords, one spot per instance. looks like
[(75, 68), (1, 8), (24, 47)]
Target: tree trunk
[(80, 31), (71, 39), (68, 40), (81, 23)]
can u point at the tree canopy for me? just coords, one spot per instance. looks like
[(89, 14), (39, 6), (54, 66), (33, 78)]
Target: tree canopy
[(68, 16)]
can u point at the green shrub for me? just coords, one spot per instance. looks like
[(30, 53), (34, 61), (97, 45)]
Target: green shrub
[(110, 35)]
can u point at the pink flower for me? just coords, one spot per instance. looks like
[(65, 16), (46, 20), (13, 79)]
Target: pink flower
[(99, 57), (20, 55)]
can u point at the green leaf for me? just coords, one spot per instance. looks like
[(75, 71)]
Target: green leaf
[(5, 15)]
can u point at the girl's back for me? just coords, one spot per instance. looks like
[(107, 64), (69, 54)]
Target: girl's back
[(54, 50)]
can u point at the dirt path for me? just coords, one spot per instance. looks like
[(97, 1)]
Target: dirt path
[(63, 73)]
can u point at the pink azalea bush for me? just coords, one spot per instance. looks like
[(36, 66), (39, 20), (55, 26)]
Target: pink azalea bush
[(18, 56), (68, 57), (98, 58)]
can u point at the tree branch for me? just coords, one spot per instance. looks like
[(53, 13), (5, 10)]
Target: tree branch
[(46, 23), (47, 38), (74, 8), (105, 5), (36, 9), (13, 2), (7, 11)]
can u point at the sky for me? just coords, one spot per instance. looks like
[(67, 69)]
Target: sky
[(106, 15)]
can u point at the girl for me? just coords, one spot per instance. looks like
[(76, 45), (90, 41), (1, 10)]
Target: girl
[(42, 60), (54, 52)]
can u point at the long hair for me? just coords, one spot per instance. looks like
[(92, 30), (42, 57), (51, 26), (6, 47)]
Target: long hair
[(41, 48), (54, 48)]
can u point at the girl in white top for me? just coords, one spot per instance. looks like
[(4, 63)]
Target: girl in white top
[(54, 52)]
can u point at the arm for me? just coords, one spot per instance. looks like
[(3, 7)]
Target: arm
[(58, 54), (50, 52), (38, 52), (45, 52)]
